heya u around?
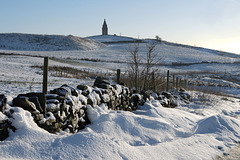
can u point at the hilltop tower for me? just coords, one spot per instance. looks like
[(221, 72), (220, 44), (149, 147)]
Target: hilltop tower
[(104, 28)]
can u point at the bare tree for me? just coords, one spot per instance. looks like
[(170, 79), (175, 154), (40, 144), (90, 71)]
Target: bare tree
[(152, 60), (133, 64), (158, 38), (141, 72)]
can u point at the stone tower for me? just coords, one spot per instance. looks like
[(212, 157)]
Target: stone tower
[(104, 28)]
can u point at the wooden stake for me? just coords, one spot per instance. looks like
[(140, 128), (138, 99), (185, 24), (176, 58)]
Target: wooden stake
[(118, 75), (177, 82), (173, 81), (45, 76), (167, 80)]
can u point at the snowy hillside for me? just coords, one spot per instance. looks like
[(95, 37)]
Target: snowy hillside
[(179, 59), (32, 42), (112, 38)]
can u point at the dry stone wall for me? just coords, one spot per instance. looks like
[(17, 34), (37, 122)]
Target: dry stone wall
[(5, 124), (65, 108)]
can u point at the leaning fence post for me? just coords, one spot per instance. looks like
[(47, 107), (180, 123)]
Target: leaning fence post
[(118, 75), (167, 80), (45, 76)]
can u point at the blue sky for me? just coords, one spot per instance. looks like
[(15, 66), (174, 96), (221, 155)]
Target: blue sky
[(208, 23)]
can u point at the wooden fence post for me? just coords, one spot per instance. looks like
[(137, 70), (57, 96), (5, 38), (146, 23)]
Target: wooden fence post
[(118, 75), (185, 83), (173, 85), (45, 76), (167, 80), (177, 82)]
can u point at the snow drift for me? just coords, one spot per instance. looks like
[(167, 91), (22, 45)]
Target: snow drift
[(151, 132)]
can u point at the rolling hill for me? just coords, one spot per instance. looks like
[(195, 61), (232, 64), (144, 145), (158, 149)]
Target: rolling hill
[(35, 42)]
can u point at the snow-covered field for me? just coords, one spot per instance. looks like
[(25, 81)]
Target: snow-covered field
[(206, 127), (182, 61), (151, 132)]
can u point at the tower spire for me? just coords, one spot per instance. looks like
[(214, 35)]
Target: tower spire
[(104, 28)]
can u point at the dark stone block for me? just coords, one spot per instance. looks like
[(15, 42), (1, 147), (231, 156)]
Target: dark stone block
[(51, 96), (184, 95), (39, 99), (98, 91), (55, 101), (103, 86), (73, 90), (38, 117), (62, 107), (90, 102), (3, 103), (167, 95), (24, 103), (37, 104), (101, 83), (82, 87), (146, 95), (81, 125), (60, 91), (136, 99), (86, 119), (4, 127), (3, 131), (54, 128), (85, 93)]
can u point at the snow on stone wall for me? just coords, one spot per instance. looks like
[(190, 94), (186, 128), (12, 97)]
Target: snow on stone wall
[(68, 109)]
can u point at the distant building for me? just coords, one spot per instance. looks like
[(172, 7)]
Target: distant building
[(104, 28)]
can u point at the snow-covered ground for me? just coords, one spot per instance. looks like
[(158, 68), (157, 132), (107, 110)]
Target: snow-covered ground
[(179, 60), (151, 132), (111, 38), (33, 42), (206, 127), (18, 75)]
